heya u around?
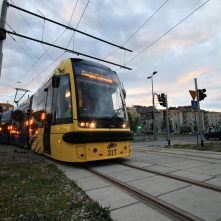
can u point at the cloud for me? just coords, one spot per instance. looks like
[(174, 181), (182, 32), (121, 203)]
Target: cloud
[(191, 50), (190, 76)]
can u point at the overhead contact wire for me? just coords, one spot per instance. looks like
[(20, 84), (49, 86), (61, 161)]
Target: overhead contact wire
[(168, 31), (139, 28), (31, 30)]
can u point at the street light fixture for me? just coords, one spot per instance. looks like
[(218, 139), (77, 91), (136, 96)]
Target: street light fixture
[(154, 122)]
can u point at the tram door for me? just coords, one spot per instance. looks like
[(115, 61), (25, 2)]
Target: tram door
[(23, 127), (48, 121)]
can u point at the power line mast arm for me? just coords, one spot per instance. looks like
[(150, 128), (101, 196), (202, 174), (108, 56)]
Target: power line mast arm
[(66, 49), (68, 27)]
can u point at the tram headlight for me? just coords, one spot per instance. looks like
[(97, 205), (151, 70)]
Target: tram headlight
[(82, 124), (93, 125), (125, 125)]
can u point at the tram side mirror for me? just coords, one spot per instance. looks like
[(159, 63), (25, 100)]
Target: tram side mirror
[(124, 92), (55, 81)]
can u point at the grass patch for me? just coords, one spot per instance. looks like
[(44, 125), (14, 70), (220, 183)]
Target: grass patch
[(207, 147), (32, 189)]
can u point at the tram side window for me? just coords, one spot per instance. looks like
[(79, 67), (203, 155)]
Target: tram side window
[(37, 121), (5, 122), (18, 119), (49, 106), (64, 104)]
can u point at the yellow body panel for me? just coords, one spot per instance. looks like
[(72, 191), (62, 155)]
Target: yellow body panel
[(36, 141)]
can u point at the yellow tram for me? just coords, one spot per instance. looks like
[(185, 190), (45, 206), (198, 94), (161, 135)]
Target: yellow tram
[(77, 115)]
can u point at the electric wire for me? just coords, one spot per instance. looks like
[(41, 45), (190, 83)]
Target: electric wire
[(67, 27), (138, 28), (54, 12), (70, 21), (36, 61), (36, 8), (83, 22), (28, 55), (25, 43), (79, 22), (73, 12), (44, 53), (47, 67), (167, 32), (31, 29)]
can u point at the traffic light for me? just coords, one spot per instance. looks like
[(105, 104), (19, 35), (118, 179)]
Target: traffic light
[(162, 100), (158, 98), (139, 127), (151, 126), (151, 115), (201, 94)]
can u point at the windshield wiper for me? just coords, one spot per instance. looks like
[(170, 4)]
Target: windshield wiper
[(115, 117)]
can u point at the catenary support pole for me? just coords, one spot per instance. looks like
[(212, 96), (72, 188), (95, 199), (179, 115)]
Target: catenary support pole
[(196, 127), (154, 119), (198, 107), (167, 122), (2, 26)]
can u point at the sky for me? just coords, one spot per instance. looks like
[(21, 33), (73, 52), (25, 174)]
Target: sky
[(157, 32)]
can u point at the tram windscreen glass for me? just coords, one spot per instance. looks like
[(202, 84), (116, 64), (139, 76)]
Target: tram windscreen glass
[(99, 93)]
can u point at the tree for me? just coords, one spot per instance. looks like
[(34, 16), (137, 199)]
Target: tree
[(195, 127), (133, 122), (172, 108), (188, 129)]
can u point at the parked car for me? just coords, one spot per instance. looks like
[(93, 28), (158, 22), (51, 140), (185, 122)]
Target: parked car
[(214, 133), (176, 132)]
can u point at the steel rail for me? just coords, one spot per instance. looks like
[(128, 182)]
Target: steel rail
[(66, 49), (68, 27), (209, 158), (207, 186), (174, 211)]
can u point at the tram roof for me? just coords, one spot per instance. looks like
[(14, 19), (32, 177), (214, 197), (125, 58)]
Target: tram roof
[(89, 63)]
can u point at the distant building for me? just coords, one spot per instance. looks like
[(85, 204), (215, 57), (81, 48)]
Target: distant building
[(6, 107), (141, 112), (181, 116)]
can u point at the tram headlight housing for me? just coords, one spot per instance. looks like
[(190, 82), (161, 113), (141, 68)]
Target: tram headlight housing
[(125, 125), (87, 124)]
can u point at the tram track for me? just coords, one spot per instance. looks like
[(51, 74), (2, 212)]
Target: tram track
[(174, 211), (166, 207), (193, 182), (165, 152)]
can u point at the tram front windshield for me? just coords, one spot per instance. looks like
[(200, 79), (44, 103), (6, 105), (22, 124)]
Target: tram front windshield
[(99, 94)]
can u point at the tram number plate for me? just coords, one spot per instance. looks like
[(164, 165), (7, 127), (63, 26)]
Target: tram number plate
[(112, 152)]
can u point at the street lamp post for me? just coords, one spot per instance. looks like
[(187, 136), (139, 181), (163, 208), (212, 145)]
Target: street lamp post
[(154, 121)]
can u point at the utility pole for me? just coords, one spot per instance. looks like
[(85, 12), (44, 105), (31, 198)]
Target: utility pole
[(196, 127), (154, 118), (2, 30), (167, 122), (198, 107)]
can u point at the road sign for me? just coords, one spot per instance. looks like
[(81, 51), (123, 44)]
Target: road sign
[(193, 94), (165, 129), (191, 124), (194, 104)]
